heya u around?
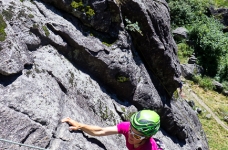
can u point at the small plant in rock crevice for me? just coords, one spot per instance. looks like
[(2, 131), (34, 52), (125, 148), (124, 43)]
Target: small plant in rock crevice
[(80, 6), (122, 79), (2, 28), (47, 33), (8, 14), (133, 26)]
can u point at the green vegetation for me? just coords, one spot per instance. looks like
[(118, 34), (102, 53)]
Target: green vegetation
[(205, 37), (216, 134), (71, 79), (184, 52), (78, 5), (187, 12), (210, 44), (205, 82), (221, 3), (35, 26), (107, 44), (2, 28), (8, 14), (122, 79), (30, 16), (133, 26), (47, 33), (22, 14)]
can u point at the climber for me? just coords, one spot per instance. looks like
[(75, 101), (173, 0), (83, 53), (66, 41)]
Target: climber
[(181, 94), (138, 132)]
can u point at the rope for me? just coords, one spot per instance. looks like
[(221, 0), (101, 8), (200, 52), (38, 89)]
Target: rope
[(35, 147)]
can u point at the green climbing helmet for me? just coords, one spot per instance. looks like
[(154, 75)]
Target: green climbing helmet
[(146, 121)]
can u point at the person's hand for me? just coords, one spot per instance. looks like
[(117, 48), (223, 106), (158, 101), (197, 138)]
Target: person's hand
[(74, 124)]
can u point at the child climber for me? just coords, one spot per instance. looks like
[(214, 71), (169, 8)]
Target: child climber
[(138, 132)]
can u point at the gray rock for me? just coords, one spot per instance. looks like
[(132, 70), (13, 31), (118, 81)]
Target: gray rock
[(208, 116), (58, 62), (156, 45), (225, 93), (191, 103), (226, 118), (192, 59), (198, 110), (189, 70), (218, 86), (180, 33), (220, 13)]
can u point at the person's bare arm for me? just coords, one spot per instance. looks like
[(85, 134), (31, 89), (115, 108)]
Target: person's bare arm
[(90, 129)]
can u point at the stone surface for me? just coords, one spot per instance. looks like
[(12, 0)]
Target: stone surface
[(189, 70), (58, 62), (180, 33), (218, 86)]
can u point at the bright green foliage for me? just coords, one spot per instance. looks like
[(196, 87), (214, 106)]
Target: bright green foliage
[(47, 33), (133, 26), (2, 27), (210, 45), (184, 51), (30, 16), (221, 3), (187, 11), (122, 79), (205, 82), (89, 12), (222, 74), (78, 5)]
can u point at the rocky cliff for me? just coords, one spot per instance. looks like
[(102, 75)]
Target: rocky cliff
[(97, 61)]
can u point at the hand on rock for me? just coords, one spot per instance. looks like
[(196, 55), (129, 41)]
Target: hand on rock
[(74, 124)]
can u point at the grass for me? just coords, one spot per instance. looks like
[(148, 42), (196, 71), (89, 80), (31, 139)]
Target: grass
[(2, 29), (215, 101), (217, 136)]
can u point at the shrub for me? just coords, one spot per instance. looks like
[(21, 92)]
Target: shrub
[(187, 12), (225, 85), (210, 44), (222, 74), (184, 51), (204, 82)]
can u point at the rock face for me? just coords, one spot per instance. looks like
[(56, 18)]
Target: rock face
[(97, 63)]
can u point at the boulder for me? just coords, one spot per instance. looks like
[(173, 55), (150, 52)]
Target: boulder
[(189, 70), (180, 33), (192, 59), (218, 86)]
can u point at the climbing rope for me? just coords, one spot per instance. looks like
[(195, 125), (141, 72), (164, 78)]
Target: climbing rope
[(31, 146)]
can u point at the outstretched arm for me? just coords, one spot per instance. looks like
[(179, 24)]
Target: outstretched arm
[(90, 129)]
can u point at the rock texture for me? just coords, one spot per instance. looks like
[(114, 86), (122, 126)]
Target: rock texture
[(58, 61)]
